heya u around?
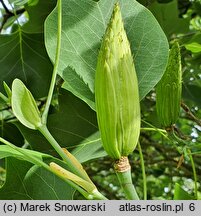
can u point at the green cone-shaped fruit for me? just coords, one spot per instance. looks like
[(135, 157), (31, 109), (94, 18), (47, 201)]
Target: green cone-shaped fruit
[(168, 90), (116, 91)]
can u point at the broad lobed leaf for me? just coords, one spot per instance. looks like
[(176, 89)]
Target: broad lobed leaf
[(24, 56), (84, 24), (25, 181)]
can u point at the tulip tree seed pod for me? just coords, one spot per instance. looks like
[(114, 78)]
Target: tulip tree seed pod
[(168, 90), (116, 91)]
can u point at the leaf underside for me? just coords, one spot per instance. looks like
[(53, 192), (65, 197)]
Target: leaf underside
[(84, 24)]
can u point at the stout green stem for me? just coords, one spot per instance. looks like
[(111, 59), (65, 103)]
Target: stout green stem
[(123, 171), (44, 130), (56, 63)]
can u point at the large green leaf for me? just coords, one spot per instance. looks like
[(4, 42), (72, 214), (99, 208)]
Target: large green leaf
[(42, 184), (74, 122), (37, 15), (11, 133), (24, 56), (35, 139), (89, 148), (84, 24), (27, 181), (13, 188)]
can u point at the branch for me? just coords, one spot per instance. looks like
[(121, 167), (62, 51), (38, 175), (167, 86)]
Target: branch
[(5, 7), (190, 114), (8, 14), (180, 134)]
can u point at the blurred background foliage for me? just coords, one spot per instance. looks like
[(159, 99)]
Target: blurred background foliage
[(166, 161)]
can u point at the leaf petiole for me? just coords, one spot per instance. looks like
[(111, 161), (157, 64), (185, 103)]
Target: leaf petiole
[(56, 63), (44, 130)]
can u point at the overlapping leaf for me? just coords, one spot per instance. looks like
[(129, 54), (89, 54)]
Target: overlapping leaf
[(11, 133), (74, 122), (24, 56), (42, 184), (13, 188), (89, 149), (36, 22), (25, 181)]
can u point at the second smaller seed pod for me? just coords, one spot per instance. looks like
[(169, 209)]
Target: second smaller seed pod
[(168, 90)]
